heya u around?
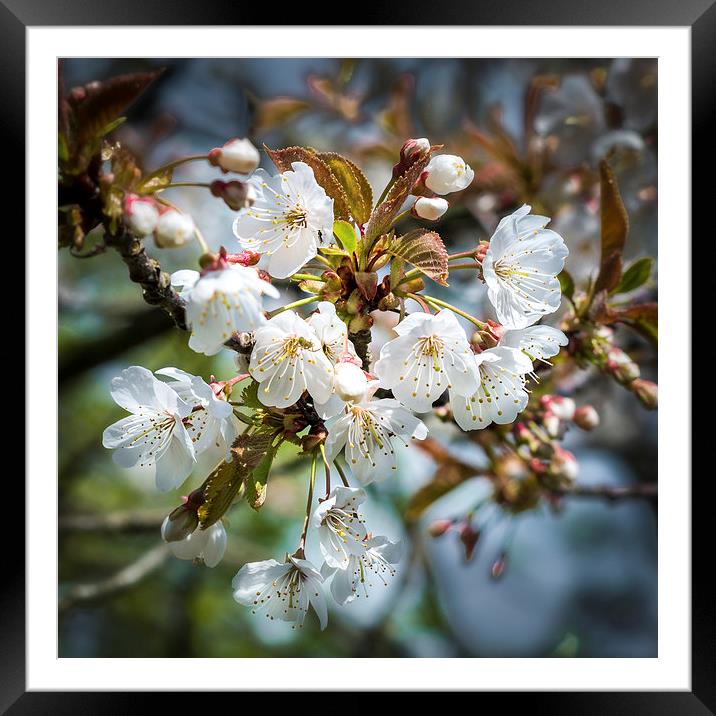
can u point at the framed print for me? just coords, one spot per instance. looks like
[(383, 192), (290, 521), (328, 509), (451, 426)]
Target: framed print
[(357, 334)]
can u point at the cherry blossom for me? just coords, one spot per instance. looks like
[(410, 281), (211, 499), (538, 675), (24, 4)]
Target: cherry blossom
[(291, 217), (520, 268), (340, 527), (283, 591), (447, 173), (207, 545)]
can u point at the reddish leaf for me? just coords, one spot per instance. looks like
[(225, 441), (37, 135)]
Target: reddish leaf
[(614, 230), (283, 159), (356, 187), (424, 250)]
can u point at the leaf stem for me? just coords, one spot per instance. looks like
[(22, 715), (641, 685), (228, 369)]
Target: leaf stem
[(309, 502), (462, 255), (419, 300), (444, 304), (295, 304), (202, 185), (341, 473), (306, 277), (183, 160)]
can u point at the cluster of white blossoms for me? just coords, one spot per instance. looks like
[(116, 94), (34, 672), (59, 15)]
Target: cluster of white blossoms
[(367, 414), (354, 561)]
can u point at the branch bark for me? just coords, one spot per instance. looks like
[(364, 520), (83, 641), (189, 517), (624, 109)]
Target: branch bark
[(611, 492), (156, 284), (123, 521)]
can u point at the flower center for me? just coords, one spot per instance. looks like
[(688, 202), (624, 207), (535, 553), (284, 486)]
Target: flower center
[(431, 346), (295, 217)]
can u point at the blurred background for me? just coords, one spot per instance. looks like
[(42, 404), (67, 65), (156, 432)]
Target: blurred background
[(580, 583)]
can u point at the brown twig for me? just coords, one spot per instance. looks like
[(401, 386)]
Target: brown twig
[(122, 521), (124, 579), (156, 284)]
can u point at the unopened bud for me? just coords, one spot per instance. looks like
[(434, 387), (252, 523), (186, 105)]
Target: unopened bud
[(180, 523), (236, 195), (586, 417), (647, 392), (414, 147), (429, 209), (498, 567), (141, 214), (237, 155), (439, 527), (173, 229), (469, 538), (350, 382), (551, 424), (447, 173), (562, 407), (563, 464), (621, 366)]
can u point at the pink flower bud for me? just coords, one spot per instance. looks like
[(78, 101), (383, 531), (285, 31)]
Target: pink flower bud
[(562, 407), (414, 147), (564, 464), (647, 392), (621, 366), (173, 229), (237, 155), (429, 209), (141, 214), (551, 424), (237, 195), (586, 417), (439, 527)]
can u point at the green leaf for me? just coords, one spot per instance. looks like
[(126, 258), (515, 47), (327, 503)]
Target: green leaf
[(424, 250), (636, 275), (220, 489), (156, 181), (614, 230), (257, 480), (356, 187), (283, 158), (346, 234), (111, 126), (643, 318), (250, 396), (566, 284)]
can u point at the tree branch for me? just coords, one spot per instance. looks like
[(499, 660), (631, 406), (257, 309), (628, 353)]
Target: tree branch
[(156, 284), (124, 579), (122, 521)]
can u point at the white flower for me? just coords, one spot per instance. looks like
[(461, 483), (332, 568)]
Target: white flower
[(174, 229), (501, 394), (221, 303), (430, 209), (155, 433), (521, 267), (447, 173), (538, 342), (211, 422), (284, 591), (208, 544), (238, 155), (141, 214), (372, 564), (287, 359), (332, 332), (370, 431), (340, 527), (290, 218), (430, 356)]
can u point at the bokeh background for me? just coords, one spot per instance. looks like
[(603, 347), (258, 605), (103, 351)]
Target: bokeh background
[(581, 583)]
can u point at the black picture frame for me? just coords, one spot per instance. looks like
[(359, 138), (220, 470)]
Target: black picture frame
[(700, 15)]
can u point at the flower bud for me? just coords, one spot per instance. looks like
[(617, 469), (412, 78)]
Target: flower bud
[(498, 566), (586, 417), (562, 407), (647, 392), (551, 424), (621, 366), (141, 214), (174, 229), (469, 538), (316, 436), (237, 195), (447, 173), (564, 464), (350, 382), (429, 209), (414, 147), (439, 527), (180, 523), (237, 155)]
